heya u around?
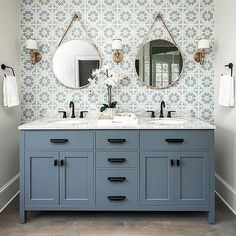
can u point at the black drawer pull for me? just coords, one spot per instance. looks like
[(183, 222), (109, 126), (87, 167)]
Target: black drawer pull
[(172, 163), (116, 160), (116, 198), (116, 179), (174, 140), (62, 163), (122, 140), (58, 140)]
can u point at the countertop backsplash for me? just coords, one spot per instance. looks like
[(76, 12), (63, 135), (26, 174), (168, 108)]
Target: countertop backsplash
[(47, 20)]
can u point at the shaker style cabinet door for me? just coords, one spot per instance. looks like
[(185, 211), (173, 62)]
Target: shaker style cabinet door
[(76, 178), (156, 178), (41, 178), (192, 178)]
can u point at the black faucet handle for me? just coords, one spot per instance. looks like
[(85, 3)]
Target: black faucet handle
[(152, 114), (169, 113), (64, 113), (82, 114)]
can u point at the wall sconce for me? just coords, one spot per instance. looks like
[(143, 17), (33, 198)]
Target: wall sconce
[(117, 46), (32, 46), (199, 56)]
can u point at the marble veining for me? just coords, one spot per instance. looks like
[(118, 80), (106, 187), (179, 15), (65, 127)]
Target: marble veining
[(143, 123)]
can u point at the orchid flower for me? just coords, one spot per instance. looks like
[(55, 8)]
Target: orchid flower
[(112, 78)]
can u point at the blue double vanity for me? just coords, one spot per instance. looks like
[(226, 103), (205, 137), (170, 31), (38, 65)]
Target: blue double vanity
[(143, 167)]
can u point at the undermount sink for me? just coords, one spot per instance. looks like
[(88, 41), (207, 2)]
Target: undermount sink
[(168, 121), (68, 122)]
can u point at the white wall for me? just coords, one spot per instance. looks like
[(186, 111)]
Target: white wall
[(9, 118), (225, 118)]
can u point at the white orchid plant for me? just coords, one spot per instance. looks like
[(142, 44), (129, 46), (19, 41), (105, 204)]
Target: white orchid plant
[(109, 78)]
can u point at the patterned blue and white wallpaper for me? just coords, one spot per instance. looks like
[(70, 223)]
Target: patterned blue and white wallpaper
[(47, 20)]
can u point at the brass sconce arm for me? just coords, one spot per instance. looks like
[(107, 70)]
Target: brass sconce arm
[(36, 56), (203, 45), (117, 47), (32, 46), (199, 56), (117, 56)]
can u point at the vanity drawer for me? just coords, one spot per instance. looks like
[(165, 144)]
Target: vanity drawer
[(174, 140), (116, 159), (116, 139), (59, 140), (116, 197), (116, 178)]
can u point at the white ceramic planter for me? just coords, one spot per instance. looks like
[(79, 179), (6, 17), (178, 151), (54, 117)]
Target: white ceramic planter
[(109, 113)]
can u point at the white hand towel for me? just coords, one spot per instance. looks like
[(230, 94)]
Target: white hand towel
[(226, 92), (10, 92)]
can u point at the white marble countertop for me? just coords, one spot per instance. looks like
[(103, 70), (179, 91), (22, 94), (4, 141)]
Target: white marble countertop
[(143, 124)]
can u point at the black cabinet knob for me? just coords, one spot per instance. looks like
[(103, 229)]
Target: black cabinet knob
[(62, 163), (178, 162), (55, 162)]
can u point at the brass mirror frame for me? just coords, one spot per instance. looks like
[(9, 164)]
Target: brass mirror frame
[(100, 62), (152, 87)]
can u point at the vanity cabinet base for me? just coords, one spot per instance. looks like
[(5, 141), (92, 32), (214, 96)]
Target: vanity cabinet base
[(124, 170), (210, 214)]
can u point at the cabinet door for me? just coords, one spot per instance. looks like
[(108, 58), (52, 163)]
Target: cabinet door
[(76, 178), (156, 178), (41, 178), (192, 178)]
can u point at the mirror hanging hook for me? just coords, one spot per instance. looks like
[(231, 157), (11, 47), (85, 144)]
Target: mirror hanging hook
[(77, 16), (159, 16)]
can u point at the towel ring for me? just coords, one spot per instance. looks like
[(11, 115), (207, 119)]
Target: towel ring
[(3, 66), (230, 65)]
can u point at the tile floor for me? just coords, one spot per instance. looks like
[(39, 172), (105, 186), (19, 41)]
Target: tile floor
[(117, 223)]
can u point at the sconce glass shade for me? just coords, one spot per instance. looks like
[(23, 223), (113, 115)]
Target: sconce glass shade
[(117, 44), (32, 44), (203, 44)]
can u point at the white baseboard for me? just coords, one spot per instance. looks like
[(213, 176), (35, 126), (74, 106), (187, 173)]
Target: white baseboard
[(9, 191), (223, 200), (226, 192)]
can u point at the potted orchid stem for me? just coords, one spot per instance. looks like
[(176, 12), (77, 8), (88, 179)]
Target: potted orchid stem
[(111, 80), (110, 104)]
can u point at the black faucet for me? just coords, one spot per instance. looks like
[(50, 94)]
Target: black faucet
[(72, 105), (163, 105)]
